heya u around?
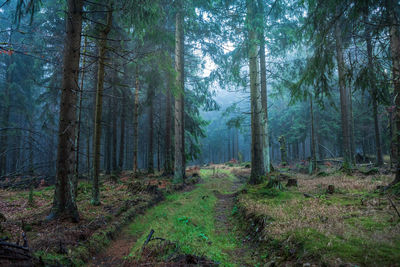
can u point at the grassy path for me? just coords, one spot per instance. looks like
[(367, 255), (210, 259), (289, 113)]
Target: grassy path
[(197, 222)]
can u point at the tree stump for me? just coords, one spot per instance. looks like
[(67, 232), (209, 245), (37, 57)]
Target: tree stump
[(291, 182), (331, 189)]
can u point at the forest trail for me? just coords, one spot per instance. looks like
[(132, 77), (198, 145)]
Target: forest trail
[(199, 222), (116, 252), (225, 224)]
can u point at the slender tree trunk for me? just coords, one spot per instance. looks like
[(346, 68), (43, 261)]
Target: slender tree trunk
[(159, 129), (351, 123), (150, 95), (107, 138), (168, 169), (344, 95), (237, 143), (99, 109), (257, 162), (392, 140), (392, 6), (88, 148), (30, 153), (136, 122), (78, 127), (313, 145), (6, 112), (64, 200), (114, 122), (179, 163), (264, 95), (374, 91), (122, 130)]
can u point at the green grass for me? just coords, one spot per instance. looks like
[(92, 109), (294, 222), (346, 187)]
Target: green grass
[(189, 220), (369, 223), (353, 249)]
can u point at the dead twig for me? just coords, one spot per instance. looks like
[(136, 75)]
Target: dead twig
[(394, 206)]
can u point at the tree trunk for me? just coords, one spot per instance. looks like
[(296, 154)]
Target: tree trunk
[(313, 145), (351, 123), (179, 163), (122, 130), (257, 161), (6, 112), (114, 122), (136, 122), (78, 127), (150, 160), (392, 6), (344, 95), (374, 91), (64, 200), (107, 138), (88, 148), (168, 170), (99, 109), (264, 95), (237, 144)]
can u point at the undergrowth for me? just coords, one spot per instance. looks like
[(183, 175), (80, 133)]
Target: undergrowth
[(354, 225)]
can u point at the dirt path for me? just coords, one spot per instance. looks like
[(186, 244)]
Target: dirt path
[(115, 254), (238, 254), (225, 224)]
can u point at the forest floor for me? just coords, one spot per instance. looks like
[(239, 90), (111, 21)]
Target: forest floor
[(356, 225), (219, 221), (193, 227), (67, 243)]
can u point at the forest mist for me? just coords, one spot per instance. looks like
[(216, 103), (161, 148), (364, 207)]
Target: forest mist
[(143, 96)]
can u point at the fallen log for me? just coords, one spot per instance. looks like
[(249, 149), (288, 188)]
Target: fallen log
[(10, 253)]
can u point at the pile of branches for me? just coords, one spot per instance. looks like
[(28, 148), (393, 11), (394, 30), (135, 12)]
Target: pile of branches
[(12, 254), (26, 182)]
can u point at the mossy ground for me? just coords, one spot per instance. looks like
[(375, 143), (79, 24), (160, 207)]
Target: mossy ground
[(189, 220), (355, 225)]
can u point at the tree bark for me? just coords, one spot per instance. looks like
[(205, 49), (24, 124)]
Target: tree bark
[(114, 121), (78, 127), (107, 138), (64, 197), (150, 160), (99, 109), (179, 163), (6, 112), (392, 6), (344, 95), (264, 95), (257, 162), (136, 122), (374, 91), (122, 128), (168, 169), (313, 145)]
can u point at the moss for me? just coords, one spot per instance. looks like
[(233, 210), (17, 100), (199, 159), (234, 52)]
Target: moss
[(53, 259), (351, 249), (271, 196), (369, 223), (188, 220)]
